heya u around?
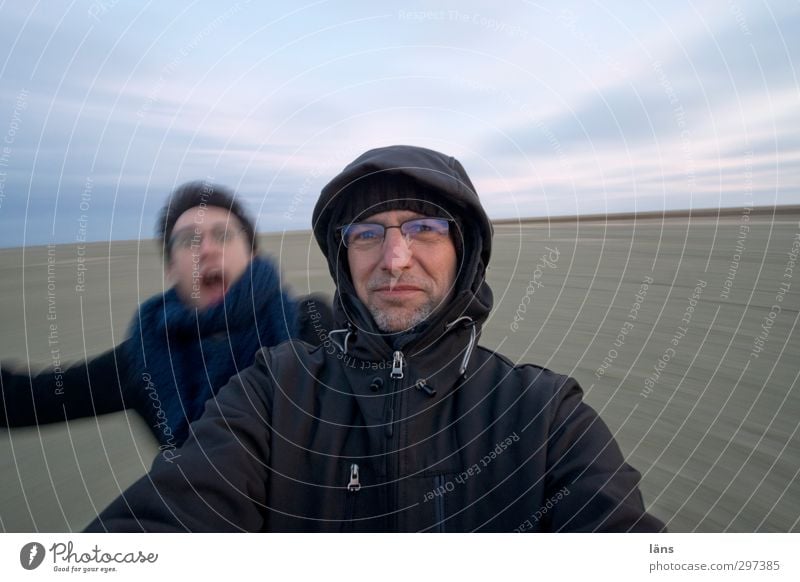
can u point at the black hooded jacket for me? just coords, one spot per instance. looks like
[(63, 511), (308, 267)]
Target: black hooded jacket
[(424, 431)]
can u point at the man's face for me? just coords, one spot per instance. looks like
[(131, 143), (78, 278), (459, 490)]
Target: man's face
[(402, 283), (209, 252)]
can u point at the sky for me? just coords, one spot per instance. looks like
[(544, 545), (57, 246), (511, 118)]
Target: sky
[(553, 108)]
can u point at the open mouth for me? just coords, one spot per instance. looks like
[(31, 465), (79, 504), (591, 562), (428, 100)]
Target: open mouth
[(212, 282)]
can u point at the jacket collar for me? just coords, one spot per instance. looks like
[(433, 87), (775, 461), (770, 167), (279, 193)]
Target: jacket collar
[(450, 335)]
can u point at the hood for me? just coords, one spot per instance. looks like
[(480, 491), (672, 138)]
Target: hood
[(443, 175)]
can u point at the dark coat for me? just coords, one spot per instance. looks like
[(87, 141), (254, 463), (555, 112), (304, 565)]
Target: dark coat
[(424, 431)]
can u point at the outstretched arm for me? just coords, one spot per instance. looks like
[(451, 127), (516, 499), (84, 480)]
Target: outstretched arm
[(54, 395)]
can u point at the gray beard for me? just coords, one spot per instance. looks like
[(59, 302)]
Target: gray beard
[(393, 323)]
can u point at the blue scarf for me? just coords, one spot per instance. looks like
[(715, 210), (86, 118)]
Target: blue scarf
[(182, 357)]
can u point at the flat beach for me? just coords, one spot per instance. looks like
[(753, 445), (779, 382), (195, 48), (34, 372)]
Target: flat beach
[(682, 330)]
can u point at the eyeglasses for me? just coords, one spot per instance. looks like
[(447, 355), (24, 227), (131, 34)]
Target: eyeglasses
[(364, 236), (189, 237)]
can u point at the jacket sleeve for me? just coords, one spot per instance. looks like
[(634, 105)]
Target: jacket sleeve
[(87, 388), (590, 486), (217, 481)]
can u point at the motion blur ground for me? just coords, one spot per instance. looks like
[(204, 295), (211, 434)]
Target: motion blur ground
[(714, 433)]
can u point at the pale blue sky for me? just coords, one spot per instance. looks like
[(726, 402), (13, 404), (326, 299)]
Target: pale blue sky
[(554, 108)]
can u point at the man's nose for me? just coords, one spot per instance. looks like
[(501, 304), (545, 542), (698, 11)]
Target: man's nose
[(396, 251), (208, 243)]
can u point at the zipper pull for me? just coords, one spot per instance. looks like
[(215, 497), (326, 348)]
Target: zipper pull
[(354, 484), (423, 385), (397, 365)]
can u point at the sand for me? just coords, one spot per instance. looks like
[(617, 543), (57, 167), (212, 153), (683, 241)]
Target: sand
[(668, 324)]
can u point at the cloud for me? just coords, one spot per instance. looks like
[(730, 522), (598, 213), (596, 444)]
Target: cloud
[(552, 110)]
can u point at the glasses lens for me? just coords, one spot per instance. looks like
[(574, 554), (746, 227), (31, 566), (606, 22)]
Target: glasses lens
[(186, 239), (181, 240), (222, 235), (426, 229), (362, 234)]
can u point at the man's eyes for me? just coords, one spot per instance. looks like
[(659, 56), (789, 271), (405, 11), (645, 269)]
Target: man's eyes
[(191, 238), (221, 235), (184, 240), (418, 227), (365, 235)]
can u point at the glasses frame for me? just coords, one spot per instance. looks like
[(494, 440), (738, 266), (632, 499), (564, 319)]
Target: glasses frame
[(341, 230), (230, 234)]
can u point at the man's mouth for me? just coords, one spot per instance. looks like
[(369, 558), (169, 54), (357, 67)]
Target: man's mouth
[(212, 282), (397, 289)]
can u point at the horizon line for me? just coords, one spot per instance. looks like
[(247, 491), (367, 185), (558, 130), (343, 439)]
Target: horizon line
[(719, 212)]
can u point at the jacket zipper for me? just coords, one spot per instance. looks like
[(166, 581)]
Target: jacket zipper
[(395, 402), (438, 483), (398, 361), (354, 484), (353, 487)]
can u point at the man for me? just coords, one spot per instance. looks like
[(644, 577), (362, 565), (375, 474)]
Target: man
[(184, 344), (399, 421)]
